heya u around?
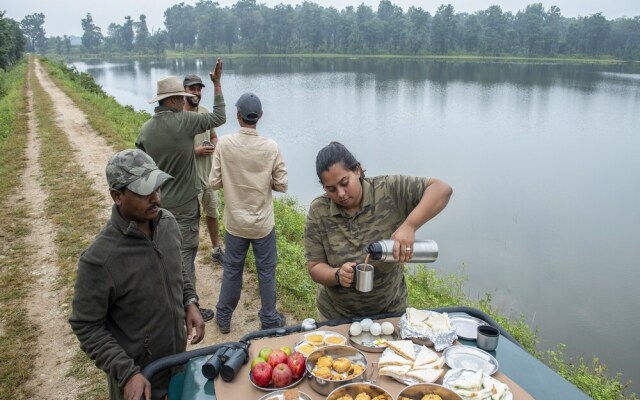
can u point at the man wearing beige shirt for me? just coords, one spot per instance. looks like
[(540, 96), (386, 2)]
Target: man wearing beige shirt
[(249, 167)]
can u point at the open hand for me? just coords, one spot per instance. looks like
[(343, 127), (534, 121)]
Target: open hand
[(216, 74)]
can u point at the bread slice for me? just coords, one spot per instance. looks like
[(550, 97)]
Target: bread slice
[(498, 389), (473, 382), (425, 375), (415, 316), (437, 364), (395, 371), (439, 322), (392, 358), (403, 347), (424, 357)]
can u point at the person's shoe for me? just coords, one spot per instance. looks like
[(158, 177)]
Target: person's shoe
[(282, 321), (207, 314), (217, 255), (224, 329)]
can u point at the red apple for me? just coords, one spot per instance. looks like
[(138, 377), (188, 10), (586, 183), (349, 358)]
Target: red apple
[(261, 374), (277, 357), (296, 364), (281, 376)]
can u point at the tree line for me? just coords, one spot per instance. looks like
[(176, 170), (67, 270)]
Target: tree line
[(248, 26)]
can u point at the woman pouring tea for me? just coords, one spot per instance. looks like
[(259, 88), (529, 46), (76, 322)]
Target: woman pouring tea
[(353, 212)]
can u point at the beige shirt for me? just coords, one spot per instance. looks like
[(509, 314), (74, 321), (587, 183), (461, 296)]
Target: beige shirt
[(248, 166)]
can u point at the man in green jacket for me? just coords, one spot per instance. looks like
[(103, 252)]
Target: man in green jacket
[(132, 297), (168, 138)]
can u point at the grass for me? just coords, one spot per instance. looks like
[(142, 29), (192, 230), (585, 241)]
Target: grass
[(296, 291), (17, 332), (73, 207)]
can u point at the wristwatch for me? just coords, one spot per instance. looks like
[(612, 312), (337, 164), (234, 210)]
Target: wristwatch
[(193, 300), (337, 276)]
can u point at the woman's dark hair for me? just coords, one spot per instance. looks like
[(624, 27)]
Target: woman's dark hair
[(334, 153)]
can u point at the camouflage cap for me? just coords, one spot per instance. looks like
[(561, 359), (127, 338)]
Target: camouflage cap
[(135, 170)]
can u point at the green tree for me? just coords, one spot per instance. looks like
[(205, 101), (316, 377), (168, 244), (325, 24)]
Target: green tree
[(493, 34), (418, 28), (282, 26), (92, 36), (126, 35), (159, 42), (310, 24), (12, 41), (142, 33), (178, 20), (33, 28), (531, 29), (596, 30), (444, 29)]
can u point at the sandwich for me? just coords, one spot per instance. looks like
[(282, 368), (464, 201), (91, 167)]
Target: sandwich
[(437, 364), (392, 358), (403, 347), (425, 375), (472, 382), (425, 357), (439, 322), (395, 371), (498, 389)]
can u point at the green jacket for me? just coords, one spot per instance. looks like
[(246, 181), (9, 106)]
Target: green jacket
[(168, 138), (128, 304)]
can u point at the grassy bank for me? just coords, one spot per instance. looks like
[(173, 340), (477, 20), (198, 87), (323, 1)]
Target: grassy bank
[(17, 332), (296, 291)]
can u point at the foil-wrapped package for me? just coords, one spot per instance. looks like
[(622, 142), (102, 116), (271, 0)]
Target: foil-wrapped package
[(439, 340)]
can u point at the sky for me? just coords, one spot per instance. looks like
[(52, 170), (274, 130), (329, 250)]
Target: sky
[(62, 17)]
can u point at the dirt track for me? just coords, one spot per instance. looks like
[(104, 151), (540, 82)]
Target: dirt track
[(57, 345)]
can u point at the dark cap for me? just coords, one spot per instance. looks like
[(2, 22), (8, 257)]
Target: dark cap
[(191, 80), (135, 170), (250, 107)]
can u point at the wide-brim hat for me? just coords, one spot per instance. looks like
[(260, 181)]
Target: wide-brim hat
[(169, 86)]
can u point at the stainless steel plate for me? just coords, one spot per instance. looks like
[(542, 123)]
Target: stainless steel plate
[(458, 374), (465, 357), (279, 395), (466, 325), (367, 342)]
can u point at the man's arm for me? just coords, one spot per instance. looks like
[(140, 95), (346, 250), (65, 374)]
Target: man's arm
[(88, 320), (215, 177), (279, 177)]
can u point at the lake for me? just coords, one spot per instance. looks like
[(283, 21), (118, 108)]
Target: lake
[(542, 159)]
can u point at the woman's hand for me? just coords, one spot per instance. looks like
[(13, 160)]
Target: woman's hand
[(347, 274), (403, 239)]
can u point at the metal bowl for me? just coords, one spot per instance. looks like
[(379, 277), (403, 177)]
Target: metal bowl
[(326, 386), (353, 389), (415, 392)]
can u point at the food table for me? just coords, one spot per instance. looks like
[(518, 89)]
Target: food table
[(526, 376), (241, 387)]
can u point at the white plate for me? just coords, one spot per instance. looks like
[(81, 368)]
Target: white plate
[(454, 375), (466, 326), (466, 357)]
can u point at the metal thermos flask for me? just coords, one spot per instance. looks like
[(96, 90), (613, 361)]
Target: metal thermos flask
[(424, 251)]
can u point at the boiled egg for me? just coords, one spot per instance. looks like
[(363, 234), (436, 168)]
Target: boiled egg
[(387, 328), (355, 329), (366, 324), (375, 329)]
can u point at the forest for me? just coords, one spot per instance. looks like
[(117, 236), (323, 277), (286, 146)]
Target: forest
[(309, 28)]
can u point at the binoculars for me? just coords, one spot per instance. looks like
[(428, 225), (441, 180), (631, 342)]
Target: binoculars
[(226, 361)]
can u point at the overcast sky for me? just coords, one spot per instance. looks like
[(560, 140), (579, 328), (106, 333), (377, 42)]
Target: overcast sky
[(63, 16)]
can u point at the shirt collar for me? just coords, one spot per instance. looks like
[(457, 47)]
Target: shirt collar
[(163, 109), (367, 199), (130, 228), (248, 131)]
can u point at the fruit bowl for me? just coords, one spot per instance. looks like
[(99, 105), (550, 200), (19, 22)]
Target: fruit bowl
[(271, 387)]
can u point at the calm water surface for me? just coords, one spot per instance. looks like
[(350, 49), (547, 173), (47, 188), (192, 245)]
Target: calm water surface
[(543, 160)]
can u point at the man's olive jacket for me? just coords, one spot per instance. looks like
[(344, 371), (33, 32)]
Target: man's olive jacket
[(128, 304)]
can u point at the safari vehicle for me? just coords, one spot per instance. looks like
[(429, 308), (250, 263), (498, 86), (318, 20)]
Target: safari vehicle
[(227, 363)]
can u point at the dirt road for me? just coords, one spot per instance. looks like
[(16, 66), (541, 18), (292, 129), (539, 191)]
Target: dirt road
[(57, 345)]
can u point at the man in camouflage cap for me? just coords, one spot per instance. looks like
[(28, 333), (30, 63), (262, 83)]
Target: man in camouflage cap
[(132, 297)]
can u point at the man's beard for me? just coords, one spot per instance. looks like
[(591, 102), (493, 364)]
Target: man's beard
[(193, 101)]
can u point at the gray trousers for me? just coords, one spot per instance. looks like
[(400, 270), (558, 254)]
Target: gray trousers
[(266, 256)]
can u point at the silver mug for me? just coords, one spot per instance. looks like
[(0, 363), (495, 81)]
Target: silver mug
[(364, 277)]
